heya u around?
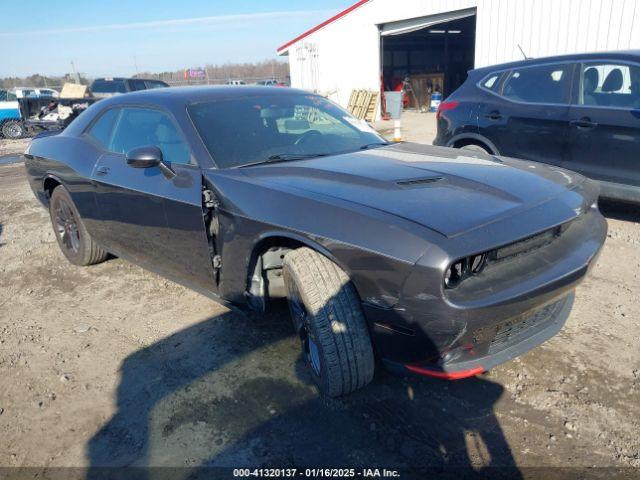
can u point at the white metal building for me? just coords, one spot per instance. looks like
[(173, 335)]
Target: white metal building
[(374, 40)]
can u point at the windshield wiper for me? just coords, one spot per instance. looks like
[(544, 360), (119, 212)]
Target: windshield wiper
[(375, 144), (285, 157)]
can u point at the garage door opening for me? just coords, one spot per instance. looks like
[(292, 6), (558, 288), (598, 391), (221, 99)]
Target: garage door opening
[(432, 53)]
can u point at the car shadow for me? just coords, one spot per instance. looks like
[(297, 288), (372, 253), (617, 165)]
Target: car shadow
[(1, 230), (233, 391), (620, 211)]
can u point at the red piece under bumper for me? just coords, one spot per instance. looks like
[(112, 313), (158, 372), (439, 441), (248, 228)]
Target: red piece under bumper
[(471, 368), (445, 375)]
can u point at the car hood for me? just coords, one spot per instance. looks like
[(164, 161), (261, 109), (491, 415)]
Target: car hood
[(449, 191)]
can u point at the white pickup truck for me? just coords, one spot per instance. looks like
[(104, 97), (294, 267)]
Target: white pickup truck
[(11, 125)]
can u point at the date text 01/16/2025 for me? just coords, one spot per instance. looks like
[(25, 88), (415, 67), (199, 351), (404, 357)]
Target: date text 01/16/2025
[(315, 472)]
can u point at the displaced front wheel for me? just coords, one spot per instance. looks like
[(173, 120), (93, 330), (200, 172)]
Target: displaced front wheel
[(326, 313), (74, 240), (13, 129)]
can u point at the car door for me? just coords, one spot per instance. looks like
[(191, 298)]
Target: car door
[(527, 117), (604, 132), (155, 221)]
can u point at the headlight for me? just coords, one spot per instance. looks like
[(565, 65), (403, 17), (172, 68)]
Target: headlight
[(463, 268)]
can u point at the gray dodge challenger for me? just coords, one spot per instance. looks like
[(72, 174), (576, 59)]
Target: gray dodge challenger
[(431, 261)]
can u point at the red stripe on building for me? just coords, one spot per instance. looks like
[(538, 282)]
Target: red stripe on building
[(323, 24)]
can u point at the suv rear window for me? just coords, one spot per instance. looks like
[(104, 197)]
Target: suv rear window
[(155, 84), (539, 84), (108, 86), (137, 85)]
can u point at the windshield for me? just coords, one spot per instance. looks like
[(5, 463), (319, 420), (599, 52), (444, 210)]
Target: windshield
[(254, 129)]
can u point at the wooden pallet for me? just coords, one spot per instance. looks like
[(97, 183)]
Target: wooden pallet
[(363, 104)]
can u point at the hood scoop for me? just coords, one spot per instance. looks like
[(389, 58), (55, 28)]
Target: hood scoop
[(417, 182)]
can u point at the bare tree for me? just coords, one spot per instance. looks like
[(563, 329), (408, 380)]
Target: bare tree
[(215, 74)]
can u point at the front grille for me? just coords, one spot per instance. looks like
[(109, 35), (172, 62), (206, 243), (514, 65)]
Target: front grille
[(512, 331), (528, 244), (462, 269)]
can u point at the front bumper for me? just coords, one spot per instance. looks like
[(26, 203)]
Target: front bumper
[(492, 318), (509, 340)]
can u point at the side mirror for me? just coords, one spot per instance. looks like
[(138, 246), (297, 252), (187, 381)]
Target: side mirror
[(147, 157), (144, 157)]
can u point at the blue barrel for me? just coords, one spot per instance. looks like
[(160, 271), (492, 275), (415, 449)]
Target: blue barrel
[(436, 98)]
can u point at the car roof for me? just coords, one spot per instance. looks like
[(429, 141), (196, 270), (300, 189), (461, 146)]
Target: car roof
[(178, 97), (633, 55)]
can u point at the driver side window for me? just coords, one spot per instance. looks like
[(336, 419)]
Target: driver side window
[(139, 127)]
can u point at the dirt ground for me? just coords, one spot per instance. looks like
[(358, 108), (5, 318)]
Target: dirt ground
[(9, 148), (112, 365)]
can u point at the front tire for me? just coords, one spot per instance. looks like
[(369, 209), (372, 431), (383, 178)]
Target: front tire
[(73, 239), (326, 313)]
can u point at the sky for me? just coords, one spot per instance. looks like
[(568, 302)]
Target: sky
[(109, 37)]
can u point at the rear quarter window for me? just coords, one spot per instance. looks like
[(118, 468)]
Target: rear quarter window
[(102, 130), (491, 82)]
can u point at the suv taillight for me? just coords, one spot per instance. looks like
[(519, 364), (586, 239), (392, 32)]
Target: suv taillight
[(444, 106)]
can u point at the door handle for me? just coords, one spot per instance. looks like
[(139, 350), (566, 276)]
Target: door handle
[(102, 171), (494, 115), (584, 122)]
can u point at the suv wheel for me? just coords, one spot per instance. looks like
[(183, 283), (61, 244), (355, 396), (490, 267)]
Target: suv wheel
[(475, 148)]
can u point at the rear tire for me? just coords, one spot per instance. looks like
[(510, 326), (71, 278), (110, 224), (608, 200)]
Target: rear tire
[(13, 129), (475, 148), (326, 312), (73, 239)]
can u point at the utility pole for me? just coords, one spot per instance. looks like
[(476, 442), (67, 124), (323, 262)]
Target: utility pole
[(135, 63), (75, 74)]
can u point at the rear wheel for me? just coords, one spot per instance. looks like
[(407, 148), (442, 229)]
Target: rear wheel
[(13, 129), (74, 240), (326, 313)]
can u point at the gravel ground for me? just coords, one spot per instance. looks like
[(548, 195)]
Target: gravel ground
[(112, 365)]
